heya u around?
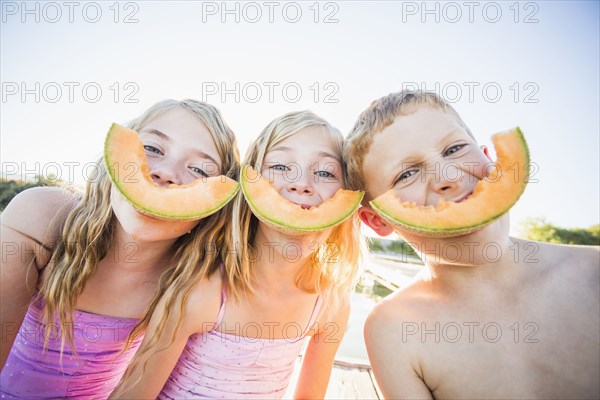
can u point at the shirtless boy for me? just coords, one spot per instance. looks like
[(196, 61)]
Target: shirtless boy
[(489, 316)]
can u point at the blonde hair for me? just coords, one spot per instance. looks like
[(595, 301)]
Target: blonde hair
[(89, 228), (378, 116), (333, 267)]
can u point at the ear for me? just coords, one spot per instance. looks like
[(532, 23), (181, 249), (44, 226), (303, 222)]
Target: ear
[(373, 221), (486, 152)]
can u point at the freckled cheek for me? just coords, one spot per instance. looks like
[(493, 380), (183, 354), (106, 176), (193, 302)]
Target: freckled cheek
[(374, 189), (415, 192)]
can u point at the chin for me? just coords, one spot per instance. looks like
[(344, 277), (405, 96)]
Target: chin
[(148, 229), (141, 227), (291, 236)]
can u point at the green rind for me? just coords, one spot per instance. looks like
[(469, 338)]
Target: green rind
[(313, 228), (179, 217), (149, 211), (447, 232), (276, 223), (442, 232)]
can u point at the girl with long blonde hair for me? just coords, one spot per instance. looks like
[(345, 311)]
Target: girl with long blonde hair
[(238, 332), (77, 297)]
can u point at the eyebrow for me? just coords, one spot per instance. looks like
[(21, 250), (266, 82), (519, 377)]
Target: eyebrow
[(449, 135), (399, 167), (327, 154), (281, 148), (168, 139), (418, 159), (320, 153), (157, 133), (405, 162)]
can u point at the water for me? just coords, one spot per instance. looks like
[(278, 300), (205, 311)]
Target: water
[(353, 344), (368, 293)]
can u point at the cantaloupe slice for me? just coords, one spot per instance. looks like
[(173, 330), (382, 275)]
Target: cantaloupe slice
[(128, 168), (281, 214), (492, 197)]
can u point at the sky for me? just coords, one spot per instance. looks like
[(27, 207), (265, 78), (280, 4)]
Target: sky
[(70, 69)]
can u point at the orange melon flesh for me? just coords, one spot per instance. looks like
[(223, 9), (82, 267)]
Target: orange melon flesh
[(492, 197), (128, 169), (281, 214)]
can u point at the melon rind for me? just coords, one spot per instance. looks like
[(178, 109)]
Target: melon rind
[(285, 216), (492, 197), (127, 166)]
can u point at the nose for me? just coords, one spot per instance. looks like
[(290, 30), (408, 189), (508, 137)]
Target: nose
[(164, 175), (447, 179), (300, 186)]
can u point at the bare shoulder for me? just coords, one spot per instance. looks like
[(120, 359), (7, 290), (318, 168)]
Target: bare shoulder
[(584, 255), (584, 260), (389, 320), (38, 213), (570, 270), (203, 303), (406, 304)]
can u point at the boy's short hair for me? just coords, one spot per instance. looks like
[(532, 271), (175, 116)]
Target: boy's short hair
[(379, 115)]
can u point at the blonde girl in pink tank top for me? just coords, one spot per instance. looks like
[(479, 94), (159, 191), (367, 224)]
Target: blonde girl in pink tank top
[(238, 333), (90, 269)]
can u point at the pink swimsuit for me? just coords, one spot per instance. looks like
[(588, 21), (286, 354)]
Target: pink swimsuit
[(32, 373), (216, 365)]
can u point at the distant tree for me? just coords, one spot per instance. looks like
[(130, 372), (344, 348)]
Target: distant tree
[(543, 231), (10, 188)]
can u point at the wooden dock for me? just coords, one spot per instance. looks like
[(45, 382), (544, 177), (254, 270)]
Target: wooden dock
[(349, 380)]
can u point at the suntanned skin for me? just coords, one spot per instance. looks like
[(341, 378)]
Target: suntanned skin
[(502, 317)]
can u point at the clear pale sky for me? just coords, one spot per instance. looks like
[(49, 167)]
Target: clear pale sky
[(501, 64)]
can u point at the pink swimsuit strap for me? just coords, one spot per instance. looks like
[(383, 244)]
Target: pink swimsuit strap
[(314, 315), (221, 310), (216, 365)]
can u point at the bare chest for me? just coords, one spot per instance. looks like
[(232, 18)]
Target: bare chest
[(541, 349)]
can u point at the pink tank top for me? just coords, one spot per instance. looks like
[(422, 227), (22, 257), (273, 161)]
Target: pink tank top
[(32, 373), (216, 365)]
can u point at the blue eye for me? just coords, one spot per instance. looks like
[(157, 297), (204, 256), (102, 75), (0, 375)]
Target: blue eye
[(405, 175), (453, 149), (279, 167), (152, 149), (324, 174), (199, 171)]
